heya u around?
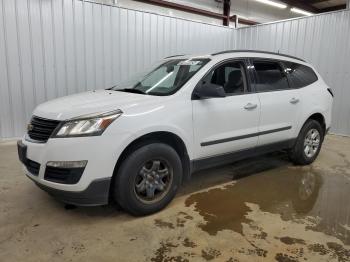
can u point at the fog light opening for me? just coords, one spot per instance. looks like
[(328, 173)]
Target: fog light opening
[(67, 164)]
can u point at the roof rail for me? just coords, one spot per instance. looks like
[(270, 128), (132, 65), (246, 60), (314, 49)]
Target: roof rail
[(173, 56), (256, 51)]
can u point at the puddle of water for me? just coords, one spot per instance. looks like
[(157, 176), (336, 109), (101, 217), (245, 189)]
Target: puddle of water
[(292, 192)]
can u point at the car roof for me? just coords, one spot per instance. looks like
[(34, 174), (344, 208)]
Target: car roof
[(257, 52), (242, 53)]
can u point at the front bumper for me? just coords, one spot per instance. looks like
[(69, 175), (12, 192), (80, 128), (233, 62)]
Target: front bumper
[(97, 193), (101, 156), (93, 186)]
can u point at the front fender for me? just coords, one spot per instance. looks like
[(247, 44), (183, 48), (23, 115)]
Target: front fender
[(151, 129)]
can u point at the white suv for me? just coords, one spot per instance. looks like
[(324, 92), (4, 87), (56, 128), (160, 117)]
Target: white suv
[(136, 142)]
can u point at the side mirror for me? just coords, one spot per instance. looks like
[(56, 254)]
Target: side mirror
[(207, 90), (169, 68)]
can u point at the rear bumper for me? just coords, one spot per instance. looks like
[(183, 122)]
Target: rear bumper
[(96, 194)]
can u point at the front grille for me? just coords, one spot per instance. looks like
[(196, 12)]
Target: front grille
[(32, 166), (63, 175), (40, 129)]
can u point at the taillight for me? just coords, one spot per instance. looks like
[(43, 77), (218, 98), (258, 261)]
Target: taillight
[(330, 91)]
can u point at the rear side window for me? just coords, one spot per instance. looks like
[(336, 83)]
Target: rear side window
[(270, 76), (300, 75)]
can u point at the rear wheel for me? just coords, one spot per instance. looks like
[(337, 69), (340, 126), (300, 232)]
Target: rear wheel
[(308, 144), (148, 179)]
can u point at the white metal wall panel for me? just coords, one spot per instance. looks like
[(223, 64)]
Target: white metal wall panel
[(322, 40), (52, 48)]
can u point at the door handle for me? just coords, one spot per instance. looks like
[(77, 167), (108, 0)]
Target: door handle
[(250, 106), (294, 100)]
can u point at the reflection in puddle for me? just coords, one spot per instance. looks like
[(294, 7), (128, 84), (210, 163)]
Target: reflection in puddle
[(292, 192)]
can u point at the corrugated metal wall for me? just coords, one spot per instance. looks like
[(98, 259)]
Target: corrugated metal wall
[(51, 48), (322, 40)]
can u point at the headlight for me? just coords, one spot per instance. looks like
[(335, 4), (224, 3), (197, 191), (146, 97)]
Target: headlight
[(88, 125)]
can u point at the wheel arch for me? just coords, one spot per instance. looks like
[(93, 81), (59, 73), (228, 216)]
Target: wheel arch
[(165, 137), (319, 117)]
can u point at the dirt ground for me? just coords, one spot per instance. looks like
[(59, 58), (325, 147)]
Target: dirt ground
[(261, 209)]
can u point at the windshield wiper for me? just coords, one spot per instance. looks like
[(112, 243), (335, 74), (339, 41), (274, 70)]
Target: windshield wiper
[(111, 88), (132, 90)]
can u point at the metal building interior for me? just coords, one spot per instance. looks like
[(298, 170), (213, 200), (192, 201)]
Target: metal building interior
[(263, 208)]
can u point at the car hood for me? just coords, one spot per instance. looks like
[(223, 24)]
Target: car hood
[(91, 102)]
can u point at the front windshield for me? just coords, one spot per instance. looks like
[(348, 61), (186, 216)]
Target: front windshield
[(165, 79)]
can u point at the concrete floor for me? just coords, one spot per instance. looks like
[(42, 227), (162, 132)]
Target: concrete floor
[(262, 209)]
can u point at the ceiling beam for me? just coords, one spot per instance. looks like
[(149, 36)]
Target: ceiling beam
[(197, 11), (301, 5), (242, 21), (316, 1), (226, 12), (333, 8), (184, 8), (246, 21)]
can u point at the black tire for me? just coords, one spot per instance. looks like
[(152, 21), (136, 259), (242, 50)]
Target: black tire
[(130, 171), (297, 154)]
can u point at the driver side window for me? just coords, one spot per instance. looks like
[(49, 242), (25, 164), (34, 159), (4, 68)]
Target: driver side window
[(231, 76)]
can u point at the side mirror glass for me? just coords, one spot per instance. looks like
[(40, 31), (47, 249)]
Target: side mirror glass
[(206, 90)]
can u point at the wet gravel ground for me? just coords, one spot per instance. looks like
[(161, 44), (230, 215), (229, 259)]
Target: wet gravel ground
[(261, 209)]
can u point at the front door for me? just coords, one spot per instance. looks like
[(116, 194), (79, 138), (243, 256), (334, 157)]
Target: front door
[(228, 124)]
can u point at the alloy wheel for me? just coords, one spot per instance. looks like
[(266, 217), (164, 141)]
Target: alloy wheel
[(312, 142), (153, 181)]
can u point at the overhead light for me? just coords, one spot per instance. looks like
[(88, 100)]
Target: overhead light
[(300, 11), (272, 3)]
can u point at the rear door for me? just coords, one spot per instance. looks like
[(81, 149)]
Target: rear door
[(280, 104)]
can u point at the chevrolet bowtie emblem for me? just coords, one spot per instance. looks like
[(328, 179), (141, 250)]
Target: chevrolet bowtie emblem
[(30, 127)]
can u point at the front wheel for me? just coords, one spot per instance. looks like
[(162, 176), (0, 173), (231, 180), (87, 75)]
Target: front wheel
[(148, 179), (308, 144)]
